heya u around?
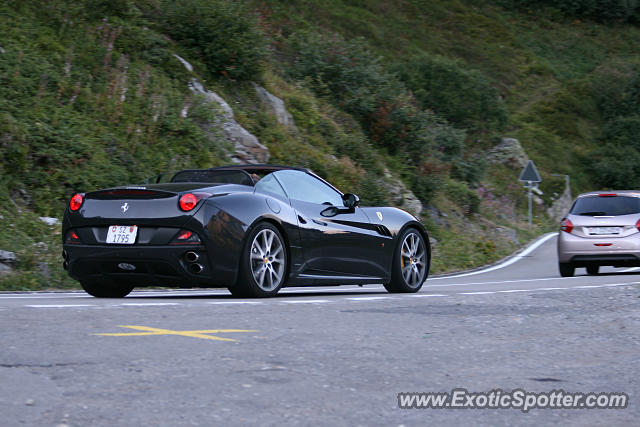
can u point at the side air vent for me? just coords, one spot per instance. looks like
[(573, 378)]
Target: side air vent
[(384, 231)]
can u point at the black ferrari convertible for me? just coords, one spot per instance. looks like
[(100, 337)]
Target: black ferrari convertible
[(250, 228)]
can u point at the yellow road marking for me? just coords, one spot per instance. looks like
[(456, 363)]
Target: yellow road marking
[(193, 334)]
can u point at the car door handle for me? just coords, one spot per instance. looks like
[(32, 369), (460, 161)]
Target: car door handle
[(319, 222)]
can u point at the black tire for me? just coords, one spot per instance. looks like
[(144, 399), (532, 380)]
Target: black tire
[(106, 289), (593, 270), (258, 278), (409, 277), (566, 269)]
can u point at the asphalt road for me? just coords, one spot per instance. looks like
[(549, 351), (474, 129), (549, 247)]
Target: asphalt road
[(324, 356)]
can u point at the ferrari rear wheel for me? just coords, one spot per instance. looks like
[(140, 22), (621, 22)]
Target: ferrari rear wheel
[(410, 263), (593, 269), (106, 289), (264, 263)]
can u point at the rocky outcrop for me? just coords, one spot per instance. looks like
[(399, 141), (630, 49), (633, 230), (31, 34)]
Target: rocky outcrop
[(508, 234), (247, 148), (6, 261), (400, 195), (560, 206), (509, 152), (50, 220), (276, 106), (184, 62)]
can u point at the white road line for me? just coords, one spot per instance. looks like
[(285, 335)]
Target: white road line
[(367, 298), (475, 293), (235, 302), (425, 295), (60, 305), (586, 287), (501, 281), (302, 289), (168, 294), (145, 304), (508, 262), (622, 284), (508, 291), (311, 301), (40, 296)]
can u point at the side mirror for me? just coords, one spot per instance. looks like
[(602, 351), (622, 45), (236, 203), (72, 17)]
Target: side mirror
[(330, 211), (350, 200)]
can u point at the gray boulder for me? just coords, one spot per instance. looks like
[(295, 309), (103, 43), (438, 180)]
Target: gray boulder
[(277, 107), (247, 148), (4, 269), (400, 195), (184, 62), (50, 220), (7, 257), (509, 152), (509, 234), (560, 207)]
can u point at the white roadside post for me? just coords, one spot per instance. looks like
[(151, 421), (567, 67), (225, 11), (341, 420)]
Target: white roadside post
[(530, 177)]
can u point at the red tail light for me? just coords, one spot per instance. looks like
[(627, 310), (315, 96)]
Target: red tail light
[(186, 237), (72, 237), (607, 195), (638, 225), (76, 201), (566, 225), (189, 201)]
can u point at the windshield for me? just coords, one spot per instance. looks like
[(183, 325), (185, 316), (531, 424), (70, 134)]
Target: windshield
[(606, 206), (306, 188)]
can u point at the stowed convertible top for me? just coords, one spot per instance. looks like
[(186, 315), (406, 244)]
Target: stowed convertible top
[(232, 174)]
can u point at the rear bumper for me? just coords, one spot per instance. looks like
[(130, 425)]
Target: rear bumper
[(140, 265), (581, 251)]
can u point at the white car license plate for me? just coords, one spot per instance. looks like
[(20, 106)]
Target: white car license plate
[(122, 234), (604, 230)]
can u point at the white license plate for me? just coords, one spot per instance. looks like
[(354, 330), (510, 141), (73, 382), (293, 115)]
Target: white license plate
[(122, 234), (604, 230)]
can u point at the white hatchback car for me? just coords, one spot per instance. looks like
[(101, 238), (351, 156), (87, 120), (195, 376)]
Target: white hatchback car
[(602, 228)]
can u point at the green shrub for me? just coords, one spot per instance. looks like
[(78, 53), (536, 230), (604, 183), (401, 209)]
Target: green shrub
[(616, 167), (603, 10), (463, 196), (623, 131), (222, 32), (471, 169), (464, 97), (353, 78)]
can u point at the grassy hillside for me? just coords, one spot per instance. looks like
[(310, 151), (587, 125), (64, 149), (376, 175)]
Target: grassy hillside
[(92, 95)]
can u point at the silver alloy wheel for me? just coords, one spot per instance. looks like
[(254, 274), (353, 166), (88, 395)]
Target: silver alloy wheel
[(267, 260), (413, 260)]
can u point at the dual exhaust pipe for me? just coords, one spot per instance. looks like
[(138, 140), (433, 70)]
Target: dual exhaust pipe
[(192, 258)]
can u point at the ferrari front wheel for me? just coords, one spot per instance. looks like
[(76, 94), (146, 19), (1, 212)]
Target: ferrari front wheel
[(410, 263), (263, 264)]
